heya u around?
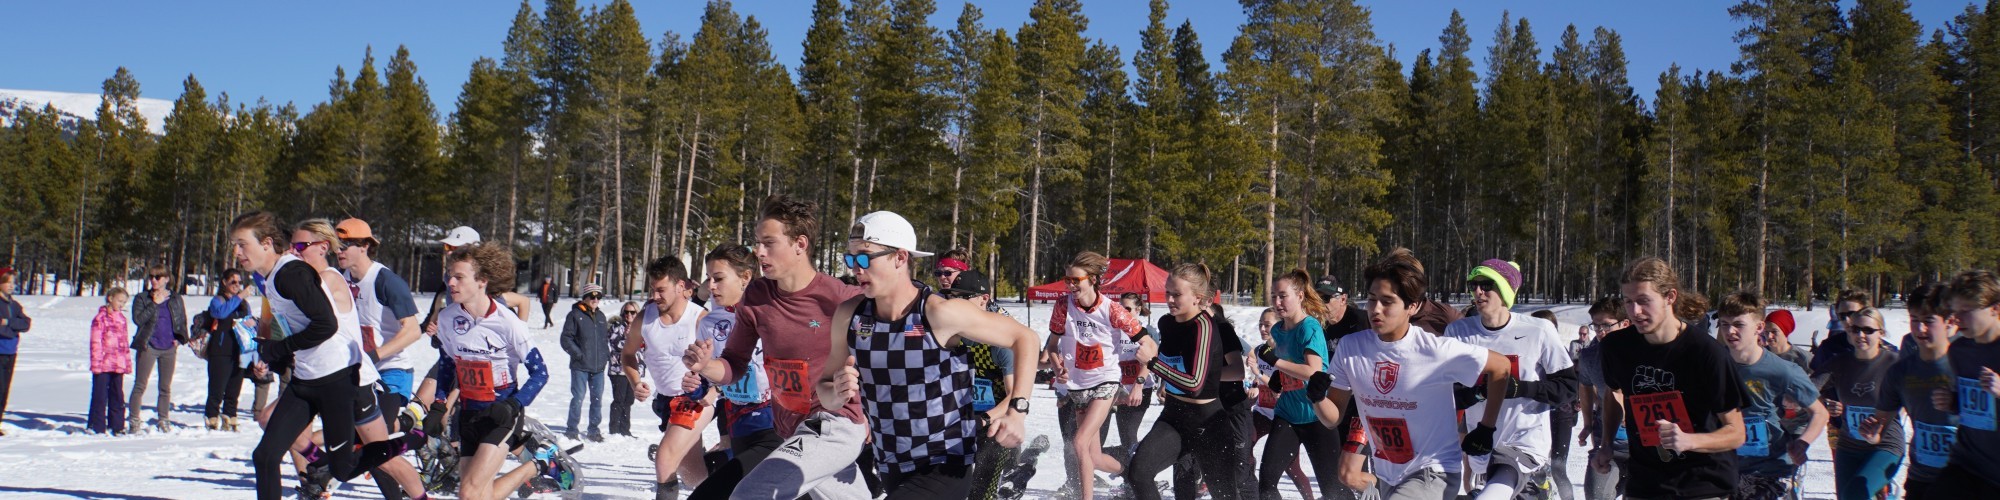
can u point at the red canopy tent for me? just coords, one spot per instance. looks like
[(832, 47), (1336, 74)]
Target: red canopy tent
[(1123, 275)]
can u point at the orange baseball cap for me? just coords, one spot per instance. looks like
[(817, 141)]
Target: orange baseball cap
[(355, 229)]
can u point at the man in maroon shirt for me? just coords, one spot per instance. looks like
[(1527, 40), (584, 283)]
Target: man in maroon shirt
[(790, 310)]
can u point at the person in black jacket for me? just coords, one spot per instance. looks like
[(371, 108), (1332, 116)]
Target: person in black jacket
[(584, 338), (217, 342), (161, 321)]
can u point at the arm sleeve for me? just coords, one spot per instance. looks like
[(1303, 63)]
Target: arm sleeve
[(394, 294), (1059, 317), (447, 376), (301, 285), (524, 354), (1557, 389), (1197, 361)]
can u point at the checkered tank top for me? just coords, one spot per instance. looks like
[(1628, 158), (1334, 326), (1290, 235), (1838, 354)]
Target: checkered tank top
[(918, 393)]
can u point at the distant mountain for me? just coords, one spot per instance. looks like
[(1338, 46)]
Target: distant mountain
[(77, 107)]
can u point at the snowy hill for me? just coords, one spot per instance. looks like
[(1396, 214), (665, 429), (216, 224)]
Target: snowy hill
[(78, 106)]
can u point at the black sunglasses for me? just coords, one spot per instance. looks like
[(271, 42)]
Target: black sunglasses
[(941, 273), (1865, 330), (1485, 286)]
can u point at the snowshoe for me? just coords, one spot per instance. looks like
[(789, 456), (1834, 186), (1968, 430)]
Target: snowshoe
[(558, 471), (1014, 483), (317, 483), (437, 463)]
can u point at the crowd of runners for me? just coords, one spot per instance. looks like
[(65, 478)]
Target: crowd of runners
[(879, 384)]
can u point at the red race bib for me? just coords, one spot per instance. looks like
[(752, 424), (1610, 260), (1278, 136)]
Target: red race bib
[(1128, 372), (368, 338), (1392, 440), (684, 412), (1287, 383), (1089, 357), (1650, 408), (1267, 398), (475, 380), (788, 382)]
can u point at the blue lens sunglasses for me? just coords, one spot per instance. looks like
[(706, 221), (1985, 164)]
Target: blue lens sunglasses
[(861, 260)]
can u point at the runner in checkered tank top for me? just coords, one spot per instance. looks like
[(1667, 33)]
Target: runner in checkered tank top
[(904, 360)]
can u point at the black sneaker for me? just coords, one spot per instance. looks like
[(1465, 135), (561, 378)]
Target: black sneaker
[(595, 437)]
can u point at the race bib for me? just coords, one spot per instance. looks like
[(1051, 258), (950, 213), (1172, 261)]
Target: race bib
[(1975, 405), (476, 380), (788, 381), (1853, 417), (1267, 398), (1650, 408), (1931, 444), (748, 389), (983, 397), (367, 338), (1756, 437), (1089, 357), (1287, 383), (1128, 372), (684, 412), (1392, 439), (1179, 364)]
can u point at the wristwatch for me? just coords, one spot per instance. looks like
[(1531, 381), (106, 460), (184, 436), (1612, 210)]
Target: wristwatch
[(1019, 405)]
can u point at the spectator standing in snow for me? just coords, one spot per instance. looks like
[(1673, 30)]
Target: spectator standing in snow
[(13, 322), (162, 322), (109, 362)]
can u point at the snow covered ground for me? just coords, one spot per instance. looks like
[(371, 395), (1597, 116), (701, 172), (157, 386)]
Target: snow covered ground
[(46, 453)]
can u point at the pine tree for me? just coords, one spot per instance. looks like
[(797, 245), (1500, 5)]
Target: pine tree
[(618, 62), (186, 151), (826, 88), (968, 47), (424, 187), (1159, 132), (1051, 57), (997, 167), (1107, 108)]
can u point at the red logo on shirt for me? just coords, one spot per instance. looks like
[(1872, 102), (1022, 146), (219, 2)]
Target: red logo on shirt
[(1386, 373)]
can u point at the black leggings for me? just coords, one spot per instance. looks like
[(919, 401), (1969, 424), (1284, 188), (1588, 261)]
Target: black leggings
[(1959, 481), (1282, 449), (1205, 431), (225, 386), (1129, 418), (749, 451), (331, 398), (929, 482)]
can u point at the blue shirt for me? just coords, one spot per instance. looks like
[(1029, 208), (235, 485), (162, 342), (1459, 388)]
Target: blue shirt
[(163, 328), (1292, 344)]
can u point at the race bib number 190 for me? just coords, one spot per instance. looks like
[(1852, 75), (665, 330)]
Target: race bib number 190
[(1853, 417), (1975, 405), (1650, 408)]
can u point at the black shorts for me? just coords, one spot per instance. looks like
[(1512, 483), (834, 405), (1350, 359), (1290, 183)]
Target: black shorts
[(496, 424), (367, 406)]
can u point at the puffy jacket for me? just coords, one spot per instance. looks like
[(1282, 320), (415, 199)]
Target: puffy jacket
[(110, 349), (145, 313), (584, 337), (17, 322)]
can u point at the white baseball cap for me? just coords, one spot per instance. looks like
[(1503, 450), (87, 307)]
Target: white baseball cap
[(888, 229), (460, 236)]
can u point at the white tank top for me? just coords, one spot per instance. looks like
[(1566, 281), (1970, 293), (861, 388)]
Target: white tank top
[(666, 343), (334, 355), (1090, 344), (350, 323)]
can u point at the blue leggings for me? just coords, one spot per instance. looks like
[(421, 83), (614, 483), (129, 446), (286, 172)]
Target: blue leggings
[(1861, 473)]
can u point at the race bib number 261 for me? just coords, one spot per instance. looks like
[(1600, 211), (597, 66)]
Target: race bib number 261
[(1650, 408)]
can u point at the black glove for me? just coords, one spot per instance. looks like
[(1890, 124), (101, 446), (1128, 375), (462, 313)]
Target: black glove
[(276, 356), (1268, 355), (1468, 396), (434, 419), (1317, 386), (1479, 442)]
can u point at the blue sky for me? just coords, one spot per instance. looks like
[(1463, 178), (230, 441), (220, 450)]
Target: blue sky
[(287, 50)]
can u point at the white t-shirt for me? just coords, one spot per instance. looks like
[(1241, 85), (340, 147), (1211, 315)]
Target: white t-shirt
[(666, 343), (1404, 393), (752, 387), (1532, 348), (485, 350)]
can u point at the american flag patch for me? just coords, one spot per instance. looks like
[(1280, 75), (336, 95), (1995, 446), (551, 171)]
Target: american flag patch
[(915, 331)]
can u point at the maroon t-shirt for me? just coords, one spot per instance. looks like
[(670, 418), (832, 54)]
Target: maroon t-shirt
[(797, 330)]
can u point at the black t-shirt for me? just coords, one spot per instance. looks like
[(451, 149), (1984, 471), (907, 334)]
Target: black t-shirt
[(1691, 381), (1354, 320)]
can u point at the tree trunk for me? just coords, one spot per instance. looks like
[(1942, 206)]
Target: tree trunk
[(687, 195), (1271, 202)]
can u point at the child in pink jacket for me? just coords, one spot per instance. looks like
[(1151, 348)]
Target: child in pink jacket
[(110, 360)]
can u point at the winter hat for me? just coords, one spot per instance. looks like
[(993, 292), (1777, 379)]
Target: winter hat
[(1505, 275), (592, 289), (1783, 320), (888, 229)]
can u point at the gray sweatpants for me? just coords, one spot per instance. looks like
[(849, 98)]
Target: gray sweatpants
[(147, 359), (1429, 484), (818, 460)]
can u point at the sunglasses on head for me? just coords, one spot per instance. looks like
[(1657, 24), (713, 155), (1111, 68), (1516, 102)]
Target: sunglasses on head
[(862, 260)]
